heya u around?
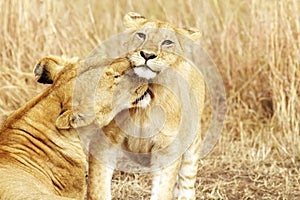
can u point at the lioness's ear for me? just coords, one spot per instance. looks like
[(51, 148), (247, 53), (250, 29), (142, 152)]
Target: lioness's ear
[(133, 20), (47, 69)]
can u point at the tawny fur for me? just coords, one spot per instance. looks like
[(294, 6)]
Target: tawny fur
[(184, 169), (42, 156)]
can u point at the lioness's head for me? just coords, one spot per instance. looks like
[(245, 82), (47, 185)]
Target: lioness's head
[(91, 90)]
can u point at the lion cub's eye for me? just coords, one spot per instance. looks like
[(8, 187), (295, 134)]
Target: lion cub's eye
[(167, 43), (141, 35)]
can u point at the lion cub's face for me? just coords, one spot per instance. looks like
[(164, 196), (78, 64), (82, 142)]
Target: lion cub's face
[(158, 44), (153, 55)]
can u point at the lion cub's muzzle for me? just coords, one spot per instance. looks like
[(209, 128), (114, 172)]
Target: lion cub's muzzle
[(147, 70)]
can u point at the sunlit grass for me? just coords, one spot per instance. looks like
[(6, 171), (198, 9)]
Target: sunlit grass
[(255, 44)]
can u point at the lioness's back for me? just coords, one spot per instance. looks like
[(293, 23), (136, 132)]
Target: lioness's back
[(36, 159)]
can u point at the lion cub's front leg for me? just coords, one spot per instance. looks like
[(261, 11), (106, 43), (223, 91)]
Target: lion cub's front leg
[(99, 182), (164, 180)]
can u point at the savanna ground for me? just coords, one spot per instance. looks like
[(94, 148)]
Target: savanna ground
[(256, 46)]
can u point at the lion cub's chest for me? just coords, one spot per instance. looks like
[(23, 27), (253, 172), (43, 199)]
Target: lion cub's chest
[(142, 130)]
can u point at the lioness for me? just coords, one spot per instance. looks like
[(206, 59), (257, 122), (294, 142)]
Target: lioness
[(161, 139), (41, 154)]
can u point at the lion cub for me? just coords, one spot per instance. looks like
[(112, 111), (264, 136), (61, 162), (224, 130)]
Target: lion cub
[(164, 136)]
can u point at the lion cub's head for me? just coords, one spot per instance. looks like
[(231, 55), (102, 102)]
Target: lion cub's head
[(91, 90), (159, 44)]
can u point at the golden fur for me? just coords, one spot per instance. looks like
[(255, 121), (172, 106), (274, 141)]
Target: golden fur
[(41, 154), (155, 48)]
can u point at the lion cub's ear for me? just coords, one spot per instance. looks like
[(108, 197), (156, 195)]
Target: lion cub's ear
[(191, 33), (133, 20), (194, 33)]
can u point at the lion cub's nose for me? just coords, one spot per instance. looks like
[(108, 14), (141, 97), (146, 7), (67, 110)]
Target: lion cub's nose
[(147, 56)]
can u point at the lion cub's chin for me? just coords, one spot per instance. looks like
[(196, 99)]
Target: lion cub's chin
[(143, 72)]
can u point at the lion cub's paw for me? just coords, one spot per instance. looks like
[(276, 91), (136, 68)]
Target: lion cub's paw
[(47, 71), (68, 120)]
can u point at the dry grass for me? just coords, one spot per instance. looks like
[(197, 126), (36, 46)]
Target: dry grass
[(255, 44)]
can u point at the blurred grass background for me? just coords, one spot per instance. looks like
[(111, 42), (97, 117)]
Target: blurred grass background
[(254, 43)]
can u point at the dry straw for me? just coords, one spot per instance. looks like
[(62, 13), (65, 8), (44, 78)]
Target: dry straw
[(256, 46)]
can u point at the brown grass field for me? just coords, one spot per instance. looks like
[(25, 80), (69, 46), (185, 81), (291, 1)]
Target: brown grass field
[(254, 43)]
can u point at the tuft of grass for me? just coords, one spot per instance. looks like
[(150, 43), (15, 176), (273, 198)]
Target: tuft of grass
[(256, 46)]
